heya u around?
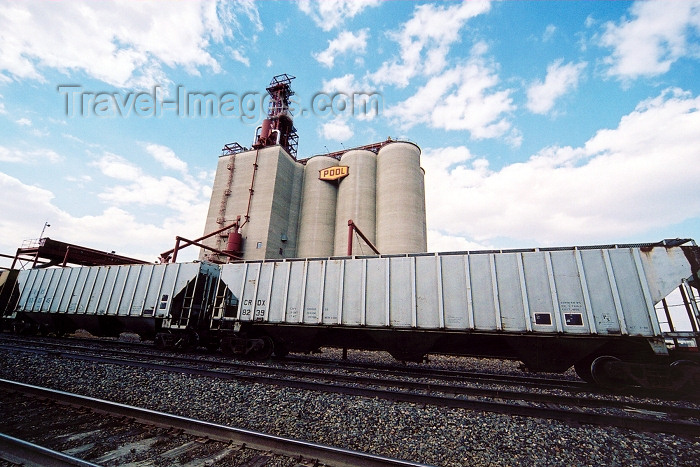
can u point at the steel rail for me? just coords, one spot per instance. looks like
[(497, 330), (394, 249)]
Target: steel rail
[(19, 451), (516, 406), (451, 375), (260, 441), (577, 401), (574, 387)]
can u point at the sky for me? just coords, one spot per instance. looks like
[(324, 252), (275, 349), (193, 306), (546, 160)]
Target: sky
[(540, 123)]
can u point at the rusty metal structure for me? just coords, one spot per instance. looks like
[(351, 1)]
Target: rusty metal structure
[(374, 147), (46, 252), (278, 127), (352, 228), (232, 250)]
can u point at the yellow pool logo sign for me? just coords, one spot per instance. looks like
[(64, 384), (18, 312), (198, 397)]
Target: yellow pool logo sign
[(334, 173)]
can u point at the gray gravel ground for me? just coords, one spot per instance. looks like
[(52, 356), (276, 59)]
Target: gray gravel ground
[(431, 435)]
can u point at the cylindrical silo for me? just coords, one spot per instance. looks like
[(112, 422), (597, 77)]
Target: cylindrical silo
[(356, 201), (401, 226), (318, 205)]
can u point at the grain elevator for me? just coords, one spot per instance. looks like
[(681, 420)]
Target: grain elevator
[(278, 206)]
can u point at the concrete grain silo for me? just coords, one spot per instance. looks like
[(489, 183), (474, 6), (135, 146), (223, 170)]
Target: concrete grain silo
[(263, 187), (400, 198), (266, 203), (318, 207), (356, 200)]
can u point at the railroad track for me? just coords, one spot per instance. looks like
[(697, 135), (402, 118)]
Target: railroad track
[(638, 415), (291, 365), (424, 373), (70, 434)]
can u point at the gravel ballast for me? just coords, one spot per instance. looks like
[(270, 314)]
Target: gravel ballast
[(426, 434)]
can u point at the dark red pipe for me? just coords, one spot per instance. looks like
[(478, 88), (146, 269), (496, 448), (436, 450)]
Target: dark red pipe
[(351, 227)]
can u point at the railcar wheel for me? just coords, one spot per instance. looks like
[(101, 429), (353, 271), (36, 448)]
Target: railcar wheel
[(685, 375), (604, 378), (17, 326), (24, 328), (267, 349), (159, 342), (227, 347), (583, 370), (280, 350)]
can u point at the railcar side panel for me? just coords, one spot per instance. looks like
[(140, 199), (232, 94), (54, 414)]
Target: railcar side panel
[(456, 293), (332, 292), (603, 306), (354, 292), (631, 292), (487, 313), (313, 296), (511, 300), (67, 298), (296, 292), (569, 290), (278, 292), (376, 297), (539, 294), (609, 291), (428, 306)]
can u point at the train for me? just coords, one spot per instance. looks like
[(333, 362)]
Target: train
[(596, 308)]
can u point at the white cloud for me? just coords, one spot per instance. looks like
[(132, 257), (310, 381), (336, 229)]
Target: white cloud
[(549, 32), (115, 166), (145, 190), (461, 98), (125, 45), (337, 130), (560, 80), (82, 142), (238, 56), (362, 102), (590, 21), (80, 180), (112, 229), (346, 84), (439, 241), (425, 41), (650, 42), (23, 122), (345, 42), (117, 227), (29, 157), (166, 157), (226, 12), (327, 14), (40, 133), (2, 105), (620, 184)]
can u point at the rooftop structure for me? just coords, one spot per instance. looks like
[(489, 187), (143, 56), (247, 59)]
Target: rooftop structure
[(46, 252)]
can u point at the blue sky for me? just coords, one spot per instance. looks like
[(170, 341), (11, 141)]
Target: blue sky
[(541, 123)]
